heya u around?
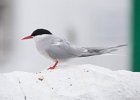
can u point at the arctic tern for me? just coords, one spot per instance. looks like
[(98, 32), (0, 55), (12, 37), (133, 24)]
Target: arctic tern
[(59, 49)]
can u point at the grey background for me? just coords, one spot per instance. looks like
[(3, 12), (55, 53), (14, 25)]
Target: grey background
[(83, 22)]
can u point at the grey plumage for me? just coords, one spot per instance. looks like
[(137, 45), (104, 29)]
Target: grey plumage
[(61, 49), (98, 51)]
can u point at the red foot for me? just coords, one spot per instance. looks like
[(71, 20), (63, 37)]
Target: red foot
[(54, 66), (51, 68)]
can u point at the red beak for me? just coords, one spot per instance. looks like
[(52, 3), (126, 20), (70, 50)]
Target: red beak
[(27, 37)]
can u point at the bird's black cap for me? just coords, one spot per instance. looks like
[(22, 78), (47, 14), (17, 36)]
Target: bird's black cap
[(40, 32)]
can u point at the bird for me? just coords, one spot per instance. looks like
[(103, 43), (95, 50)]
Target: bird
[(59, 49)]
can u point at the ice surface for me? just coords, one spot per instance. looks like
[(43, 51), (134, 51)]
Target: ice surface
[(77, 82)]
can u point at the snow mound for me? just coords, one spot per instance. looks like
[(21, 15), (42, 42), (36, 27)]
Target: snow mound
[(80, 82)]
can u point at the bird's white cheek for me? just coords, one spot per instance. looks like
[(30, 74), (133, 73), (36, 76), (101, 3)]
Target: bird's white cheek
[(39, 38)]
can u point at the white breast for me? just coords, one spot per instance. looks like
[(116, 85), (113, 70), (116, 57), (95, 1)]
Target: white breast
[(42, 44)]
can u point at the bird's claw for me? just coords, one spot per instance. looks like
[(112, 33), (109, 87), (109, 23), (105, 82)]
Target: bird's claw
[(51, 68)]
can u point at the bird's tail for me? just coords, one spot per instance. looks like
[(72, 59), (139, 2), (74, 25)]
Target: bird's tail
[(98, 51)]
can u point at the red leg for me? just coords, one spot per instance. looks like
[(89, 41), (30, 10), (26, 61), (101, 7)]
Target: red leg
[(54, 66)]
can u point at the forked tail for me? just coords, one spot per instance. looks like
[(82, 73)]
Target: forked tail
[(98, 51)]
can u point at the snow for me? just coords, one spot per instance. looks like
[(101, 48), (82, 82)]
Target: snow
[(77, 82)]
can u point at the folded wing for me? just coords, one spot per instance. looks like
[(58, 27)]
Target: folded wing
[(91, 51)]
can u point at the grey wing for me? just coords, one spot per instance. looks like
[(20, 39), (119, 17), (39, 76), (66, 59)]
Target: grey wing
[(98, 51), (61, 49)]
